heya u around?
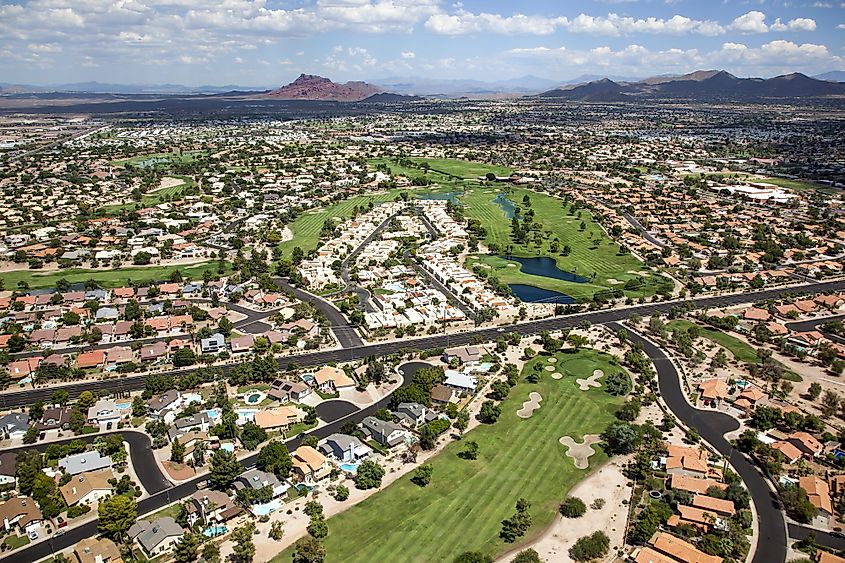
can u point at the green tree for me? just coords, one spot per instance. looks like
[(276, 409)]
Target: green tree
[(86, 400), (309, 550), (369, 475), (187, 548), (422, 476), (341, 493), (211, 552), (116, 514), (225, 468), (590, 547), (526, 556), (177, 451), (274, 458), (60, 397), (573, 507), (252, 435), (797, 504), (815, 391), (489, 412), (470, 451), (243, 546)]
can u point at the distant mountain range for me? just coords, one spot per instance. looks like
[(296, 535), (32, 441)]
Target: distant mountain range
[(700, 85), (317, 88)]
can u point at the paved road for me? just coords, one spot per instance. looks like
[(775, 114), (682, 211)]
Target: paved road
[(253, 318), (343, 331), (712, 426), (356, 352), (41, 550), (141, 453), (634, 222)]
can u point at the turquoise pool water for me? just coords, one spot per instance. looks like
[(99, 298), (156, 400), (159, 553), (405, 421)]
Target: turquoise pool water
[(349, 467), (213, 531), (266, 508)]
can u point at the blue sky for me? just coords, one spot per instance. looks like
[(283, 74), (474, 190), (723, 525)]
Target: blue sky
[(268, 42)]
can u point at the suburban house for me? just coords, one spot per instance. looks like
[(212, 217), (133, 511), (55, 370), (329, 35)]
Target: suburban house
[(92, 550), (154, 352), (694, 484), (157, 537), (279, 418), (85, 461), (385, 433), (309, 465), (330, 379), (442, 395), (460, 381), (87, 488), (8, 471), (213, 344), (105, 411), (413, 415), (256, 479), (54, 418), (181, 426), (464, 354), (164, 406), (344, 448), (713, 391), (806, 443), (211, 507), (20, 515), (818, 491), (684, 460), (288, 391), (14, 425), (241, 344), (666, 547)]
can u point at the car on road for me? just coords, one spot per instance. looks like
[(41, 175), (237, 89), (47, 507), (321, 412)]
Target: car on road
[(59, 532), (202, 485), (837, 534)]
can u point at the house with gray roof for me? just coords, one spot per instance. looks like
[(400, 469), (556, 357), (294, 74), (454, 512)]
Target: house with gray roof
[(14, 425), (213, 344), (85, 461), (157, 537), (181, 426), (106, 314), (385, 433), (256, 479), (414, 415), (164, 406), (344, 448)]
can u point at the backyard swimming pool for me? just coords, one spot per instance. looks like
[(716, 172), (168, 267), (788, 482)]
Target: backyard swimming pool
[(266, 508), (213, 531), (245, 415), (349, 467), (253, 397)]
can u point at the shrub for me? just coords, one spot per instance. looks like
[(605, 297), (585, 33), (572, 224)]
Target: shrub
[(573, 507), (590, 547), (78, 510)]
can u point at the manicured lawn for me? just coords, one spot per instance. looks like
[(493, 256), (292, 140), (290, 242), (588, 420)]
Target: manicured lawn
[(798, 185), (444, 169), (463, 168), (14, 542), (593, 255), (306, 228), (173, 511), (150, 199), (296, 429), (165, 158), (463, 506), (740, 350), (107, 278)]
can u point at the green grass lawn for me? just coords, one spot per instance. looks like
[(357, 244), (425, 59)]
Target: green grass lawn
[(740, 350), (107, 278), (444, 169), (173, 511), (593, 252), (798, 185), (149, 199), (13, 541), (306, 228), (165, 157), (463, 506)]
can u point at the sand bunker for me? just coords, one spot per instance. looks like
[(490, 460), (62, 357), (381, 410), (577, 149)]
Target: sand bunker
[(552, 360), (580, 453), (592, 381), (529, 406), (549, 368), (613, 281)]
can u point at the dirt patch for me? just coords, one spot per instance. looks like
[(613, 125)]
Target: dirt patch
[(592, 381), (580, 453), (529, 406), (178, 471)]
